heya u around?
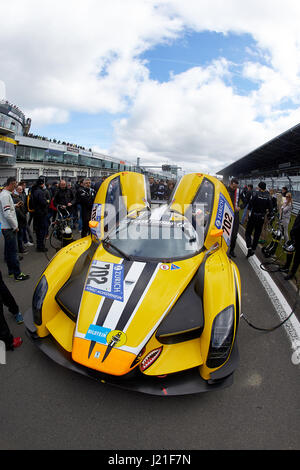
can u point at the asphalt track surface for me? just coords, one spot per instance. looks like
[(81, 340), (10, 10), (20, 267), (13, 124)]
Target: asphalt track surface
[(44, 406)]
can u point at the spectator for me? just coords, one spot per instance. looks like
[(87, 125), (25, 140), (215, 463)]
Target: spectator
[(284, 191), (85, 197), (161, 190), (9, 225), (169, 189), (245, 197), (40, 199), (264, 232), (234, 193), (285, 215), (64, 198), (7, 299), (274, 200), (27, 235), (52, 210), (153, 187), (21, 217), (259, 204), (243, 194), (78, 186)]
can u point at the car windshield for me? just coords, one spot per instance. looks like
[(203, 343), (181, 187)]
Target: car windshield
[(146, 236)]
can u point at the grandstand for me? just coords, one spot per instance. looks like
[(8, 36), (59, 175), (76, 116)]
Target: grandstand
[(277, 162)]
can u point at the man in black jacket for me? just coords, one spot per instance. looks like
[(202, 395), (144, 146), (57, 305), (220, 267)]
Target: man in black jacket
[(64, 198), (259, 204), (85, 197), (40, 215), (20, 208)]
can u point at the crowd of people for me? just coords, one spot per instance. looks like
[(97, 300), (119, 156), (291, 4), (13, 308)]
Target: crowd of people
[(259, 206), (27, 210), (24, 211), (39, 205), (160, 189), (56, 141)]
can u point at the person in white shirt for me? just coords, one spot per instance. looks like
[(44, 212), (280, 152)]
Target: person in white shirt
[(9, 228)]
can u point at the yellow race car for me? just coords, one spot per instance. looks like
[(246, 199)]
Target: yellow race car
[(149, 301)]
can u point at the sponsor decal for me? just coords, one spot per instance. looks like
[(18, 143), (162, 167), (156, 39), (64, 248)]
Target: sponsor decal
[(116, 338), (106, 279), (224, 218), (96, 212), (96, 216), (164, 267), (119, 318), (97, 333), (150, 358), (106, 336), (174, 267)]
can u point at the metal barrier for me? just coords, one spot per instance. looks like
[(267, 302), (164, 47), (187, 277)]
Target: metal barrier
[(296, 207)]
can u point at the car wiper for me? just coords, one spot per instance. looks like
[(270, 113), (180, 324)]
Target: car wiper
[(124, 255)]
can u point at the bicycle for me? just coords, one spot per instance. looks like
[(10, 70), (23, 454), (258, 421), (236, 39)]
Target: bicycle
[(60, 229)]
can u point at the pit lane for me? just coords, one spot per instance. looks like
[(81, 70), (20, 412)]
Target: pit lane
[(44, 406)]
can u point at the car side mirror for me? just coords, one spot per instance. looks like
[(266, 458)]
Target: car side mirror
[(93, 223), (216, 233)]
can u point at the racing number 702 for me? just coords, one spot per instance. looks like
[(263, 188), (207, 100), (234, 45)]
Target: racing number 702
[(99, 274), (227, 223)]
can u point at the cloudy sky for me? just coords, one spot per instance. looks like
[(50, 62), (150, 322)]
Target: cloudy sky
[(197, 83)]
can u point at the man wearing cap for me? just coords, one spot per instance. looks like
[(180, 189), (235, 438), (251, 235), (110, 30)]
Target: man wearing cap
[(259, 204)]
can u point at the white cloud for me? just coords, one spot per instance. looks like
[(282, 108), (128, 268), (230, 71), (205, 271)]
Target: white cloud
[(84, 57), (192, 118), (2, 90), (58, 57), (47, 115)]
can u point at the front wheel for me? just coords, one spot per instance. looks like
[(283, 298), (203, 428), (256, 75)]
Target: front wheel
[(55, 237)]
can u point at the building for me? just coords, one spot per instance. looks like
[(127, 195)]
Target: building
[(276, 162), (27, 157)]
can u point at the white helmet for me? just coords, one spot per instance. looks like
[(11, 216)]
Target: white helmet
[(68, 230)]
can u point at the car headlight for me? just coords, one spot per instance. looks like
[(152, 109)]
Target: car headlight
[(38, 299), (221, 338)]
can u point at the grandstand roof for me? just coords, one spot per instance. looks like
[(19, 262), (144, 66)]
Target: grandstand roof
[(279, 154)]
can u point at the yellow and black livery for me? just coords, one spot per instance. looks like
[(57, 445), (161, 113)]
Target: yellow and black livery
[(149, 301)]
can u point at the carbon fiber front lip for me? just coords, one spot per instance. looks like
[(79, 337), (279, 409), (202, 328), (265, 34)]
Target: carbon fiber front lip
[(181, 383)]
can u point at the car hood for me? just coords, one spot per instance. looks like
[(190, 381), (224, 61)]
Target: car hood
[(122, 304)]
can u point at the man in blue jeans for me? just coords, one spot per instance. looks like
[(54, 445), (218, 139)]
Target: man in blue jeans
[(9, 226)]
